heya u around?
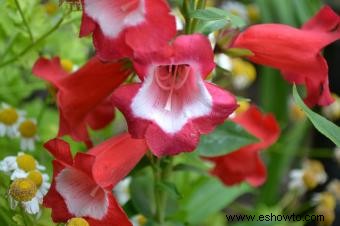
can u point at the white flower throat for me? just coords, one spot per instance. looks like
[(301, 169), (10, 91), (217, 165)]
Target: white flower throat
[(171, 78)]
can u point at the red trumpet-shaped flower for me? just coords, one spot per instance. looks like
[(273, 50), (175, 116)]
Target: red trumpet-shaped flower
[(296, 52), (120, 27), (82, 186), (81, 105), (173, 104), (245, 164)]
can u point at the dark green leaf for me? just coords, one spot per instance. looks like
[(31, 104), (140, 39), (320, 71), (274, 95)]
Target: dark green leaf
[(225, 139), (325, 127)]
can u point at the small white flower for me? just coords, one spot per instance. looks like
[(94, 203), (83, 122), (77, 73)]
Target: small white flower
[(122, 192), (223, 61), (23, 191), (138, 220), (9, 119), (28, 134), (337, 154), (18, 166), (311, 175), (236, 8)]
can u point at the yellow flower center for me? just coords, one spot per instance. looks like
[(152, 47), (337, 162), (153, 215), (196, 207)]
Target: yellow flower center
[(77, 221), (141, 220), (243, 107), (50, 8), (328, 200), (26, 162), (243, 68), (296, 112), (328, 216), (23, 190), (253, 12), (36, 177), (28, 128), (9, 116), (309, 180), (67, 65)]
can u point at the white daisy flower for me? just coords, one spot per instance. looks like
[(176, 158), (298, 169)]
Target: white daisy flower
[(122, 192), (77, 221), (243, 73), (334, 188), (18, 166), (29, 185), (309, 177), (9, 119), (236, 8), (337, 154), (23, 191), (28, 134), (138, 220), (332, 111)]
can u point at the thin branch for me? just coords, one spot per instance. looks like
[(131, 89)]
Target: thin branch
[(24, 20), (34, 44)]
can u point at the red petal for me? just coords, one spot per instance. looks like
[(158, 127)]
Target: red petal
[(80, 94), (53, 200), (101, 116), (115, 216), (158, 28), (245, 163), (115, 158), (49, 70), (279, 46), (60, 150)]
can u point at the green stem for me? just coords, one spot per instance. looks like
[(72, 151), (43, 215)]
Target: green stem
[(29, 31), (160, 174), (34, 44), (200, 5)]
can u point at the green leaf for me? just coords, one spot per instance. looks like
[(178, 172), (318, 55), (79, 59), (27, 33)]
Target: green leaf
[(142, 194), (225, 139), (19, 220), (170, 188), (215, 19), (324, 126), (238, 52), (211, 26), (210, 14), (209, 197)]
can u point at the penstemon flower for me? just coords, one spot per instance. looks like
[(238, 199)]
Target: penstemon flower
[(173, 105), (121, 27), (245, 164), (296, 52), (93, 109), (82, 186)]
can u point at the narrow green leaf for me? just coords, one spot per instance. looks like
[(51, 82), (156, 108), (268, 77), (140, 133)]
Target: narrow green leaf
[(210, 14), (170, 188), (225, 139), (325, 127)]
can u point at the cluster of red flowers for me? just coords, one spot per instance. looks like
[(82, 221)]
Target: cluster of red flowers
[(171, 106)]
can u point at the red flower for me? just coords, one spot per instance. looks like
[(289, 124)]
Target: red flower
[(79, 104), (82, 187), (296, 52), (245, 163), (173, 104), (120, 27)]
